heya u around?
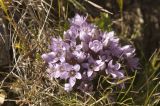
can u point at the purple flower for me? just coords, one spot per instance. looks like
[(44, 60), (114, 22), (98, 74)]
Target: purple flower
[(78, 20), (95, 33), (109, 39), (59, 51), (95, 46), (78, 53), (83, 36), (114, 70), (71, 34), (62, 71), (128, 51), (89, 51), (85, 32), (74, 74), (93, 65), (58, 45), (105, 55), (49, 57), (80, 56), (116, 51), (101, 64), (53, 57)]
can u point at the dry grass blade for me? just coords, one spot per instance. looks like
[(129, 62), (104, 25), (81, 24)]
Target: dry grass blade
[(98, 7), (40, 32)]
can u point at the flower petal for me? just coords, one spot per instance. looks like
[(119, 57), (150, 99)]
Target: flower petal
[(120, 74), (64, 75), (114, 75), (76, 67), (56, 74), (67, 87), (83, 36), (98, 61), (95, 46), (110, 64), (78, 76), (89, 73), (96, 68), (103, 66), (117, 66), (110, 34), (72, 81), (48, 57), (62, 59)]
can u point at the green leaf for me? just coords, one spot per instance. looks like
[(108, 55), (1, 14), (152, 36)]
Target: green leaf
[(3, 6), (120, 3)]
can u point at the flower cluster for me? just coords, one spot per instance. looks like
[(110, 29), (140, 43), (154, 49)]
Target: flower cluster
[(86, 51)]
